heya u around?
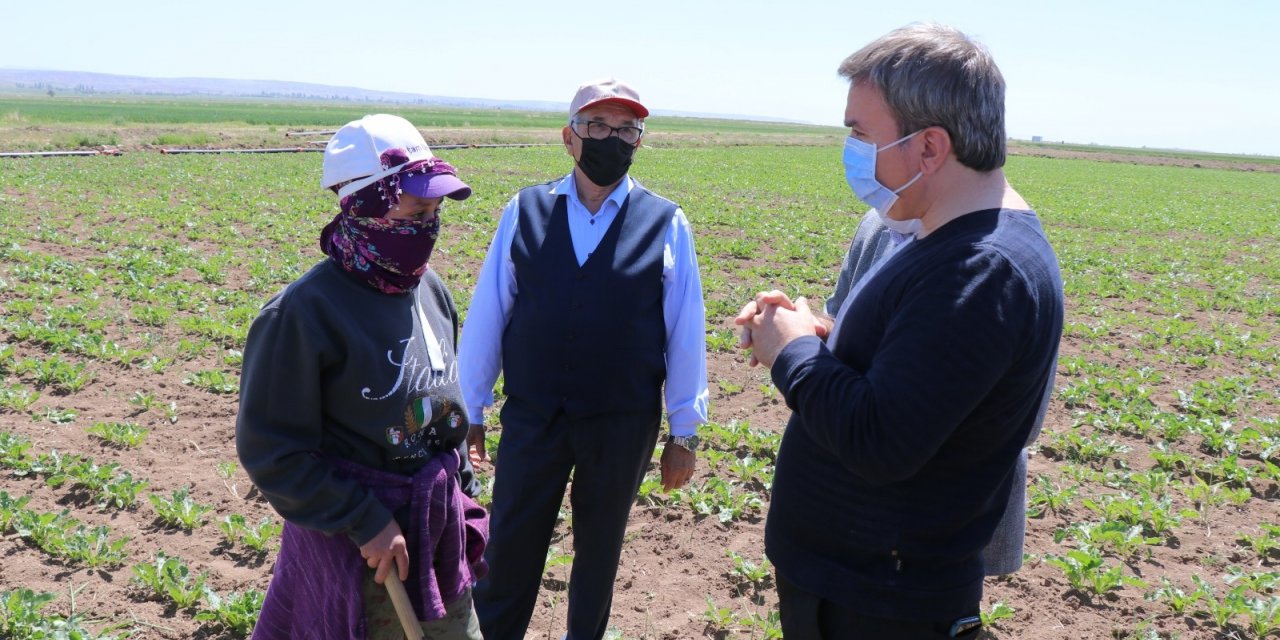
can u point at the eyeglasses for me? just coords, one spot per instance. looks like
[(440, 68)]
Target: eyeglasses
[(601, 131)]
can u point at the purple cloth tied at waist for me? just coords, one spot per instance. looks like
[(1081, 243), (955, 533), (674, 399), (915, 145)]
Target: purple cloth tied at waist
[(316, 586)]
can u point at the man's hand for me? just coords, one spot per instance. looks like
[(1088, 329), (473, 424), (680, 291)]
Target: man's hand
[(384, 550), (754, 308), (775, 326), (822, 325), (677, 466), (475, 444)]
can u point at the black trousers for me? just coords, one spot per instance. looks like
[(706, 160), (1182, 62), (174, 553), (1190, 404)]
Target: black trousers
[(807, 616), (608, 456)]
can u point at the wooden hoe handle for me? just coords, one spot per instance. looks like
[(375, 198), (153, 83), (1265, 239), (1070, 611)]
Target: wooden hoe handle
[(404, 608)]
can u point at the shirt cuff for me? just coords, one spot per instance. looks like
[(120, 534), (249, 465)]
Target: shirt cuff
[(685, 427), (372, 526), (793, 356)]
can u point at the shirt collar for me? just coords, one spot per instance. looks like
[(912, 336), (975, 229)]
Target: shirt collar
[(569, 187)]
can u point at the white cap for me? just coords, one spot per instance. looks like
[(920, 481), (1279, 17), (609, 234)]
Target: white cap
[(358, 153)]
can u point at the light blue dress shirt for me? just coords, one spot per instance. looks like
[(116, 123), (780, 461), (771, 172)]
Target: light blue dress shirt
[(480, 351)]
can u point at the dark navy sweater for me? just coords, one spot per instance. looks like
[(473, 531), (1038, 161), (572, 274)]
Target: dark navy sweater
[(896, 464)]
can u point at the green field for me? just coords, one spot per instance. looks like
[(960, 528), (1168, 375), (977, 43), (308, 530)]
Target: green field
[(127, 285), (127, 111)]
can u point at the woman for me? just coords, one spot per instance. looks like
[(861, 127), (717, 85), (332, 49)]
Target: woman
[(351, 420)]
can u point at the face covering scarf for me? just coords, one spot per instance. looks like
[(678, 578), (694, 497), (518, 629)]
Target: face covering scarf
[(605, 161), (389, 255), (860, 173)]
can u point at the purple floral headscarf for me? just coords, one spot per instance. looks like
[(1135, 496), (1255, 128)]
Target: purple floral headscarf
[(390, 255)]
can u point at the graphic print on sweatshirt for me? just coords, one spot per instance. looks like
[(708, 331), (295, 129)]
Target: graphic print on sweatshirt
[(432, 410), (428, 421), (414, 372)]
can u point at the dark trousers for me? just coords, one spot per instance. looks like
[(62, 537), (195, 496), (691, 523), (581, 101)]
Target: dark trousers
[(807, 616), (608, 456)]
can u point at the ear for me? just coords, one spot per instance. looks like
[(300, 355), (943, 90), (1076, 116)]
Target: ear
[(937, 148), (567, 137)]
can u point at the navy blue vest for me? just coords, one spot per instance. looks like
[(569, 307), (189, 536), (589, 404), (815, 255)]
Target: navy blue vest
[(587, 339)]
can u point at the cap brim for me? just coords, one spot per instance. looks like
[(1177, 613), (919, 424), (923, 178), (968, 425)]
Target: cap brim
[(436, 185), (632, 105)]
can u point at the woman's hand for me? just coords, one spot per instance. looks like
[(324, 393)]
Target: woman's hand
[(385, 549)]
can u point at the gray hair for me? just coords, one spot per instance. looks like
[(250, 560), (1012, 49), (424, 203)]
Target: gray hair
[(934, 75)]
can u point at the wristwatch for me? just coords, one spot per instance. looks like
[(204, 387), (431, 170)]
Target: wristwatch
[(688, 443)]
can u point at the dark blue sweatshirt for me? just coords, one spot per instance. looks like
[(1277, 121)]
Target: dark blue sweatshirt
[(896, 464), (334, 367)]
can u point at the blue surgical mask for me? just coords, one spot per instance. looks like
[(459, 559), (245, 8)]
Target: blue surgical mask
[(860, 172)]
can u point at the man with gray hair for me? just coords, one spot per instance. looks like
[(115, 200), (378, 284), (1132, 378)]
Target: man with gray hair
[(908, 419), (590, 305)]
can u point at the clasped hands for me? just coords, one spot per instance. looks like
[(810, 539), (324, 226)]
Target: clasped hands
[(772, 320)]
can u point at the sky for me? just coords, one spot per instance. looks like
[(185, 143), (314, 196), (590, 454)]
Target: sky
[(1167, 74)]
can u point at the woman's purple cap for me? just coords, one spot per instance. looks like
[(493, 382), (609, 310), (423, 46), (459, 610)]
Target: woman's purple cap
[(435, 185)]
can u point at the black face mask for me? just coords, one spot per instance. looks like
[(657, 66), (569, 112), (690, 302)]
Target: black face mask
[(605, 161)]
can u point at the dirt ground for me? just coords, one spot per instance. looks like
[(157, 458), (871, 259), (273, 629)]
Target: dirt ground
[(672, 562), (156, 138)]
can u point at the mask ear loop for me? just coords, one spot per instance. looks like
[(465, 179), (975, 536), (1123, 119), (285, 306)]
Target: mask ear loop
[(894, 144), (898, 141), (909, 183)]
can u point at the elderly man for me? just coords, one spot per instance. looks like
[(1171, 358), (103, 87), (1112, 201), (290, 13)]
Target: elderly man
[(588, 300), (909, 418)]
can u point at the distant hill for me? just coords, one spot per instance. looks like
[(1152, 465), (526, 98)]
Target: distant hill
[(97, 83), (86, 83)]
